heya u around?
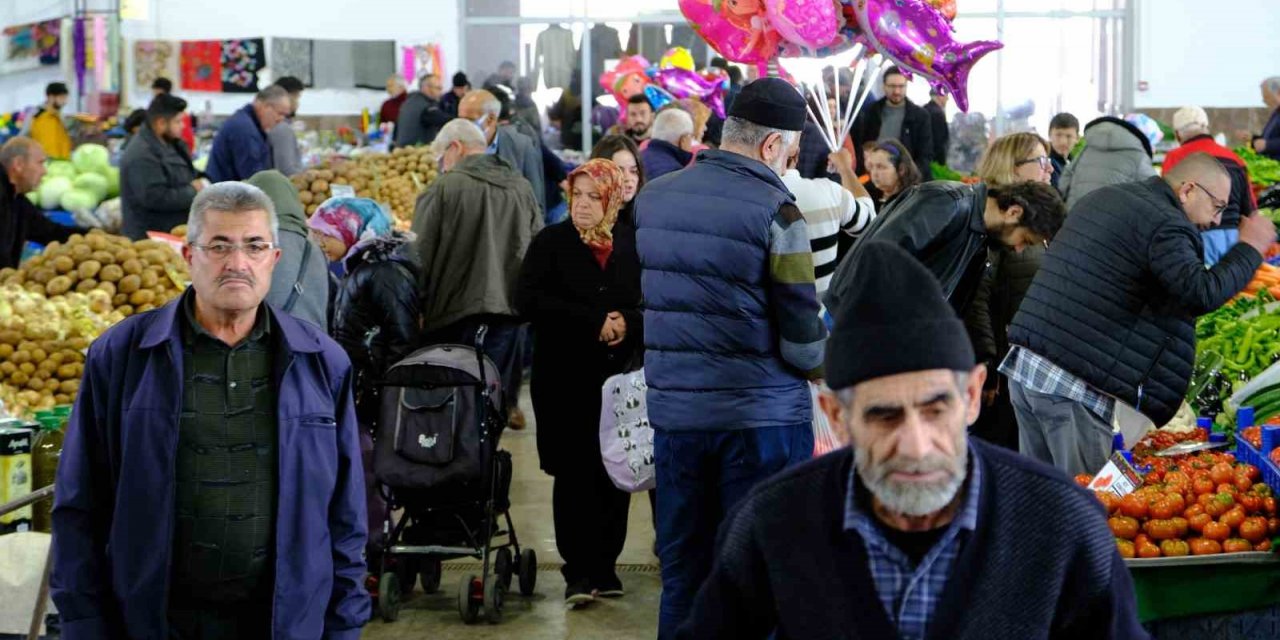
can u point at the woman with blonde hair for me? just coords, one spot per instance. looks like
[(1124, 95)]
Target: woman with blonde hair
[(1018, 157)]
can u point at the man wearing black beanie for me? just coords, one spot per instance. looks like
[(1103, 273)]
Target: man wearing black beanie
[(157, 179), (732, 332), (914, 531), (451, 100)]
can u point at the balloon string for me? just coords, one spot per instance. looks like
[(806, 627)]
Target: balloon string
[(825, 111), (849, 113), (867, 92), (808, 107)]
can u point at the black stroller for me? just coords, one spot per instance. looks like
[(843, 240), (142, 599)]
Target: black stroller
[(436, 456)]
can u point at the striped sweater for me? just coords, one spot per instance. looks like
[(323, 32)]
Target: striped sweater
[(802, 334), (828, 210)]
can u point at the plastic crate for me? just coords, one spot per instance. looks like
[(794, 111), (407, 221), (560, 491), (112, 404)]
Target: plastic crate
[(1245, 452)]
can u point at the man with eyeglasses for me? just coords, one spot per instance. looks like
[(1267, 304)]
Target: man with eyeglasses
[(241, 147), (210, 482), (1107, 330), (895, 117), (1191, 126)]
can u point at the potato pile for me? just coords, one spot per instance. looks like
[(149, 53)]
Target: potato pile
[(135, 276), (394, 179), (42, 344)]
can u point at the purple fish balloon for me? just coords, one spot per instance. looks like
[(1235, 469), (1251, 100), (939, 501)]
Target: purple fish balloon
[(683, 83), (918, 38)]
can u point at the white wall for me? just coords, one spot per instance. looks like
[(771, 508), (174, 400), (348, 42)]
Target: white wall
[(1207, 54), (406, 21)]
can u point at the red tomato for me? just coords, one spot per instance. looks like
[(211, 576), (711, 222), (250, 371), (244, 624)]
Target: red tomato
[(1243, 483), (1161, 529), (1110, 501), (1162, 509), (1084, 479), (1236, 545), (1133, 506), (1148, 550), (1216, 531), (1127, 550), (1221, 473), (1249, 471), (1141, 539), (1153, 478), (1228, 488), (1254, 530), (1229, 458), (1233, 518), (1174, 548), (1269, 505), (1198, 521), (1177, 480), (1192, 510), (1265, 545), (1180, 525), (1123, 527), (1215, 507), (1202, 485), (1252, 504), (1273, 526), (1177, 501), (1204, 547)]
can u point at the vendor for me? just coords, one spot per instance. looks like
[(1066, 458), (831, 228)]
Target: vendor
[(391, 107), (240, 149), (47, 127), (21, 168)]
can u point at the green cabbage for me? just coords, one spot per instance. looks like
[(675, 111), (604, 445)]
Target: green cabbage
[(90, 157), (60, 169), (79, 200), (51, 191), (93, 183), (112, 175)]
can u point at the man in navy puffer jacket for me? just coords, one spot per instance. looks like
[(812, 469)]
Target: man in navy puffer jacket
[(732, 332)]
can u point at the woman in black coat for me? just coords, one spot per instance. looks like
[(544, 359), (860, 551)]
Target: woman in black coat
[(580, 287)]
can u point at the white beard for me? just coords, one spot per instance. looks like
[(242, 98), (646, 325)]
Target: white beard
[(913, 499)]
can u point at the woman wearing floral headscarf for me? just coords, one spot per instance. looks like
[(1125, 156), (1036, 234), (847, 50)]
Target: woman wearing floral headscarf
[(340, 223), (580, 287)]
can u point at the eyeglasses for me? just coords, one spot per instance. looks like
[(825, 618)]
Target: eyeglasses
[(1043, 161), (223, 250), (1218, 205)]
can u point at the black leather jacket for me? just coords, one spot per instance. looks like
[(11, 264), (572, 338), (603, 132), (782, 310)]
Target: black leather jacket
[(941, 224)]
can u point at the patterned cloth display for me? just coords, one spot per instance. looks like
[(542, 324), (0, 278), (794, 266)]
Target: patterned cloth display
[(375, 61), (333, 64), (27, 46), (154, 59), (201, 65), (291, 57), (241, 62)]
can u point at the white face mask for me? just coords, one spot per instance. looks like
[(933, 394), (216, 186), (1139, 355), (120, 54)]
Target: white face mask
[(482, 124)]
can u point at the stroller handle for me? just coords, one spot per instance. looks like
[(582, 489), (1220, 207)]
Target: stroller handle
[(480, 336)]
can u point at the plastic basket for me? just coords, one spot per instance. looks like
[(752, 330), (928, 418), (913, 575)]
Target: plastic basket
[(1245, 452)]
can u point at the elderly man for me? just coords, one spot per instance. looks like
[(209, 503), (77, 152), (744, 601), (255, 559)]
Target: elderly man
[(210, 483), (21, 169), (915, 531), (485, 111), (390, 109), (474, 225), (1191, 126), (1268, 143), (157, 180), (421, 116), (285, 153), (732, 332), (669, 147), (1109, 321), (241, 148)]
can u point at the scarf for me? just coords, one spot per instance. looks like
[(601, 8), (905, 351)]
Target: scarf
[(608, 179), (350, 220)]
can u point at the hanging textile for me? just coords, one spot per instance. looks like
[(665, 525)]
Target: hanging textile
[(291, 57), (24, 47), (420, 60), (241, 61), (81, 52), (101, 62), (333, 64), (375, 61), (114, 53), (49, 39), (153, 59), (201, 63), (67, 46)]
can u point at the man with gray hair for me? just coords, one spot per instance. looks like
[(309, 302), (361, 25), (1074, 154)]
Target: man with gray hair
[(1268, 142), (474, 224), (21, 169), (1191, 126), (210, 483), (484, 110), (241, 148), (669, 143), (421, 116), (732, 332)]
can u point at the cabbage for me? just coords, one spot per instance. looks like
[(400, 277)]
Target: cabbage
[(90, 157), (79, 200), (60, 169), (51, 191), (112, 174), (93, 183)]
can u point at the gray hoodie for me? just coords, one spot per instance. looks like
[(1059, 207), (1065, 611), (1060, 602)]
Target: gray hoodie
[(1115, 152)]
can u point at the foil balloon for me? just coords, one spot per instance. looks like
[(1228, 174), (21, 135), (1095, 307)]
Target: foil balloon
[(809, 24), (676, 58), (919, 39), (707, 87), (946, 7), (627, 79), (739, 30), (658, 97)]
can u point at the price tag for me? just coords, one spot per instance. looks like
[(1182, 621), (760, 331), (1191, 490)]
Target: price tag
[(1118, 477), (342, 191)]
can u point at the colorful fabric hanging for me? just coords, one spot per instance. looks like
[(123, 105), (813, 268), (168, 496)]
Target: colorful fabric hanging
[(81, 53), (154, 59), (241, 61), (419, 60), (101, 61), (49, 40), (201, 62)]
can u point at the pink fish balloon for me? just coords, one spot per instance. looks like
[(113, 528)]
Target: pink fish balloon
[(919, 39), (707, 87), (739, 30)]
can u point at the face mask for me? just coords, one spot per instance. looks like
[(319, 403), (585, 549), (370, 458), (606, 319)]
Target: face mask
[(482, 124)]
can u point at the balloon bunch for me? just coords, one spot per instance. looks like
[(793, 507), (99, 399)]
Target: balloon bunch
[(917, 35), (672, 79)]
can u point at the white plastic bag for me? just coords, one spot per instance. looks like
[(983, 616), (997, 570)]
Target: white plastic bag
[(626, 437)]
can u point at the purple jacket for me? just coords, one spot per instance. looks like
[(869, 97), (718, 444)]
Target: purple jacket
[(113, 514)]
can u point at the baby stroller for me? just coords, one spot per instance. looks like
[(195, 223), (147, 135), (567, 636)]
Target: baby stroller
[(436, 457)]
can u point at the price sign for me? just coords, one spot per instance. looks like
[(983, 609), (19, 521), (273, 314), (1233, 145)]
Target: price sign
[(342, 191), (1118, 477)]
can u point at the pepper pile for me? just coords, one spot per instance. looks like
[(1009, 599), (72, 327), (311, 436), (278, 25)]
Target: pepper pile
[(1233, 346), (1263, 171)]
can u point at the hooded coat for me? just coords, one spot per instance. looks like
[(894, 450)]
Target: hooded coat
[(298, 269), (1115, 152)]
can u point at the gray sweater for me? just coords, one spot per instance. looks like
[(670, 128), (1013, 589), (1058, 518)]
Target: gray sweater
[(284, 149), (313, 302)]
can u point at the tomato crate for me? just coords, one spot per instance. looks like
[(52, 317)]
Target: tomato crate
[(1245, 452)]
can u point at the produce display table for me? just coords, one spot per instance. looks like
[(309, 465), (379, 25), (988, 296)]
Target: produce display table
[(1171, 592)]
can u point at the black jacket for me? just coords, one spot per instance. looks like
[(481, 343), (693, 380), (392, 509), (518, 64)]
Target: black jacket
[(941, 224), (21, 221), (1117, 295), (379, 292), (999, 295), (155, 184), (941, 134), (420, 120), (787, 568), (917, 134), (565, 294)]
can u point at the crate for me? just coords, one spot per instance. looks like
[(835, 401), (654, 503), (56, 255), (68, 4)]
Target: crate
[(1245, 452)]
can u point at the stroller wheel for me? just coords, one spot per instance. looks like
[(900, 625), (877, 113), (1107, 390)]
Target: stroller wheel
[(389, 597), (528, 571), (503, 567), (468, 605), (406, 569), (429, 575), (493, 596)]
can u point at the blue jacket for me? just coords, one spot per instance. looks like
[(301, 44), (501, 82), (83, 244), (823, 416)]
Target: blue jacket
[(714, 360), (662, 157), (1271, 133), (240, 148), (113, 515)]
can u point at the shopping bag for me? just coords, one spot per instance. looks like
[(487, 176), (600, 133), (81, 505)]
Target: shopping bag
[(626, 437), (824, 437)]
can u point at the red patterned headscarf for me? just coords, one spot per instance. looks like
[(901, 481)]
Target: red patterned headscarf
[(608, 178)]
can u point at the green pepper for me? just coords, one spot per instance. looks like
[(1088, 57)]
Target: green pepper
[(1243, 351)]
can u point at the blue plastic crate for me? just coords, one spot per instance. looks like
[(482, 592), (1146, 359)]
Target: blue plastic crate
[(1270, 472)]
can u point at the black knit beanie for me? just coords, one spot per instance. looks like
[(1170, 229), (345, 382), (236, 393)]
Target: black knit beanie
[(894, 319)]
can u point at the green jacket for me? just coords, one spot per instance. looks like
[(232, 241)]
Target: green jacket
[(473, 225)]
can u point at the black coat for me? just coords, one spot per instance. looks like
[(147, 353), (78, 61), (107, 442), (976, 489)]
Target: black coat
[(917, 134), (1117, 295), (21, 221), (941, 134), (379, 292), (565, 294), (155, 184), (997, 300)]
